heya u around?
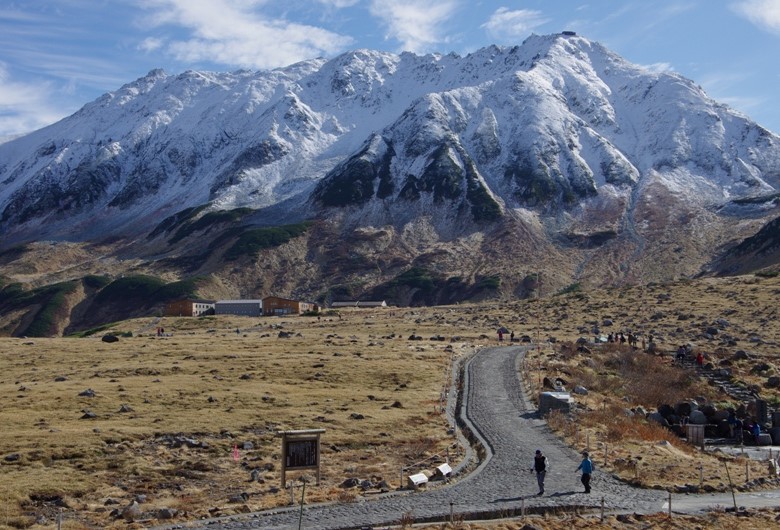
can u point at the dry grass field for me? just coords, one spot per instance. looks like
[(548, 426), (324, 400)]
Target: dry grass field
[(167, 413)]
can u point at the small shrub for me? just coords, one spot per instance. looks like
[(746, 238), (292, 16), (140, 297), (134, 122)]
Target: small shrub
[(346, 496)]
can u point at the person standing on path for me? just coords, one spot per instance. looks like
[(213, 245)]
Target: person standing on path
[(540, 466), (587, 468)]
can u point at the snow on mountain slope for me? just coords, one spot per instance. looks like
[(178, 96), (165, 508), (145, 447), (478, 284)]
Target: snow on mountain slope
[(547, 127)]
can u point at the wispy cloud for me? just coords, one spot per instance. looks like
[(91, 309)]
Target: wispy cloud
[(339, 3), (659, 68), (507, 25), (723, 87), (417, 26), (24, 106), (763, 13), (237, 32)]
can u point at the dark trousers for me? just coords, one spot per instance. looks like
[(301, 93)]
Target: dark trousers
[(540, 479), (586, 481)]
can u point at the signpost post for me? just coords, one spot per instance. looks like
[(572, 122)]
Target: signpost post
[(301, 450)]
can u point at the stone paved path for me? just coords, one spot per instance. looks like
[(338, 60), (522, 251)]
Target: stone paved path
[(497, 409)]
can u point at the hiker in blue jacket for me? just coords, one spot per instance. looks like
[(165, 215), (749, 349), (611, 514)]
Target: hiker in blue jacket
[(587, 468)]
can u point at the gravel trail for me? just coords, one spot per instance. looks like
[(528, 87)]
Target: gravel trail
[(498, 411)]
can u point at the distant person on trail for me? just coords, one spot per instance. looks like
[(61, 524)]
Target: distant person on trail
[(540, 466), (587, 468), (500, 335), (700, 359)]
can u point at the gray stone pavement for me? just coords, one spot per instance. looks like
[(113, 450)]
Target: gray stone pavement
[(496, 409)]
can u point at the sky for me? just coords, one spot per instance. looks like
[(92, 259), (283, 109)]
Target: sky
[(56, 56)]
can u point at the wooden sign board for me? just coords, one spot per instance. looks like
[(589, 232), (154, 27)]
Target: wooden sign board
[(301, 450), (300, 454)]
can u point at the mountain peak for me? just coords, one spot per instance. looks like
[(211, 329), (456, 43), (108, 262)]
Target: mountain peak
[(559, 135)]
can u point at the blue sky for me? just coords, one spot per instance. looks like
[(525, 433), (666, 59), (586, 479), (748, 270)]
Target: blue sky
[(55, 56)]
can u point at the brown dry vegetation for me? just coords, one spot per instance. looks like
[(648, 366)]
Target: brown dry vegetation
[(376, 393)]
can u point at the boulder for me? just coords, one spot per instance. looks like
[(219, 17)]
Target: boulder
[(665, 410), (110, 338), (709, 410), (697, 417), (684, 408), (720, 415), (658, 418)]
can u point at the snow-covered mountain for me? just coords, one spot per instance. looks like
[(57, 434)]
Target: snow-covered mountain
[(558, 141)]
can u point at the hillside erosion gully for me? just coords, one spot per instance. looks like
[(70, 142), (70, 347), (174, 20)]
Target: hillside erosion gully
[(497, 412)]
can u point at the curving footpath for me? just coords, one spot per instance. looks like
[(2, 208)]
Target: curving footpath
[(498, 412)]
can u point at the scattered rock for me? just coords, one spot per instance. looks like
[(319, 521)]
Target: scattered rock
[(110, 338), (760, 367), (166, 513), (132, 512), (87, 393), (238, 498), (350, 483), (126, 408)]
